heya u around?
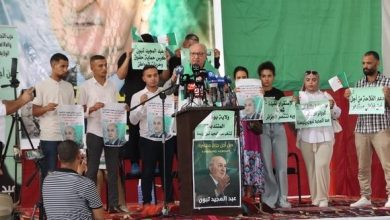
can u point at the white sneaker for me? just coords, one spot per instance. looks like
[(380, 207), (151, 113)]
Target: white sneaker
[(363, 201), (315, 203), (323, 204), (284, 204), (387, 205)]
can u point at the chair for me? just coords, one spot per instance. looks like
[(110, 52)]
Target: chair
[(295, 170)]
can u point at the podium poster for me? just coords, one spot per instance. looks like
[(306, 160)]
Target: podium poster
[(216, 173), (71, 119), (219, 124), (114, 124), (155, 118), (249, 96)]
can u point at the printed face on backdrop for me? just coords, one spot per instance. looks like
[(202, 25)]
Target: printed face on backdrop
[(218, 167), (88, 27)]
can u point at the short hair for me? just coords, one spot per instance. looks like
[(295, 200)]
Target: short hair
[(68, 151), (372, 53), (57, 57), (147, 38), (192, 36), (267, 65), (146, 67), (204, 48), (240, 68), (96, 57)]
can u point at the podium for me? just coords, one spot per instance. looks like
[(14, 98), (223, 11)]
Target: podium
[(187, 120)]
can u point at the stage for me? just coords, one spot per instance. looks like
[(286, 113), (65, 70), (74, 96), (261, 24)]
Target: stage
[(338, 208)]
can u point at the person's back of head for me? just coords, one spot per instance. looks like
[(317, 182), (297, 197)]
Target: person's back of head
[(68, 151)]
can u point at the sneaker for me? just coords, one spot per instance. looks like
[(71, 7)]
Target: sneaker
[(323, 204), (284, 204), (387, 205), (315, 203), (124, 208), (135, 168), (362, 202)]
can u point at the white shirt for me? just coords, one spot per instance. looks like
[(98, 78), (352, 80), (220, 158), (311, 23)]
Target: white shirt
[(3, 110), (318, 134), (139, 115), (51, 91), (92, 92)]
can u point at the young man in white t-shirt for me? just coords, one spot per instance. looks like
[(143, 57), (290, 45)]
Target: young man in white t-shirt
[(95, 93), (50, 93)]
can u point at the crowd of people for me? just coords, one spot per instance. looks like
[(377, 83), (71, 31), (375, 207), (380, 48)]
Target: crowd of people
[(264, 153)]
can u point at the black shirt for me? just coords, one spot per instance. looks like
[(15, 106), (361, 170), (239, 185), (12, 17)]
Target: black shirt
[(274, 92)]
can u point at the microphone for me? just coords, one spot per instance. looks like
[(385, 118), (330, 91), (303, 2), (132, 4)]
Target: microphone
[(195, 69), (213, 83), (179, 70), (221, 88), (232, 98)]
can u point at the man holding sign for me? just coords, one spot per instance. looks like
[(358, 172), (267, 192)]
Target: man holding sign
[(372, 130)]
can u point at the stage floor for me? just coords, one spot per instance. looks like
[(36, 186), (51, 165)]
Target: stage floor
[(338, 209)]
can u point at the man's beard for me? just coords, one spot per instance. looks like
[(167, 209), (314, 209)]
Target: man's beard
[(369, 72)]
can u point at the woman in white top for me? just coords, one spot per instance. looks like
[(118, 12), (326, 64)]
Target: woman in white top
[(316, 144)]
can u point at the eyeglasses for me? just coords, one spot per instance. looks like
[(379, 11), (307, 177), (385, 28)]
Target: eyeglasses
[(197, 54), (311, 72)]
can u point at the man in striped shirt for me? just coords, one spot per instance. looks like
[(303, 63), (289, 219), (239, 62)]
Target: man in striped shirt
[(372, 131), (68, 195)]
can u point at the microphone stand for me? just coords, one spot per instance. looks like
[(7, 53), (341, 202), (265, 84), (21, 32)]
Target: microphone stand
[(162, 95)]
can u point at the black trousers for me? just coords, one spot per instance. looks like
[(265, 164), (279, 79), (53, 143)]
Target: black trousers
[(151, 153)]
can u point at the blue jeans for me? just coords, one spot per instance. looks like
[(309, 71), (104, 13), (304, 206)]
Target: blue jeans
[(49, 161)]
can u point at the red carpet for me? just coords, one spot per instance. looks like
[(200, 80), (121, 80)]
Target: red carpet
[(339, 208)]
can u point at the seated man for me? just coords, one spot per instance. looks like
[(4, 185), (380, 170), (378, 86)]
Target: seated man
[(68, 195)]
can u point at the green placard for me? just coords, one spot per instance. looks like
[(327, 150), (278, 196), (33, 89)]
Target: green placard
[(313, 114), (148, 54), (367, 100), (217, 125), (277, 111)]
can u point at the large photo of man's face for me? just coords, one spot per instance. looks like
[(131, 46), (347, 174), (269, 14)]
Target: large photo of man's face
[(82, 28)]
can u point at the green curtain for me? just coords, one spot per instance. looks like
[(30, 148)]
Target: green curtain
[(329, 36)]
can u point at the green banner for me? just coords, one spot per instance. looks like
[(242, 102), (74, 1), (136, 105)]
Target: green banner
[(313, 114), (219, 124), (148, 54), (367, 100), (299, 35), (277, 111), (216, 173)]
